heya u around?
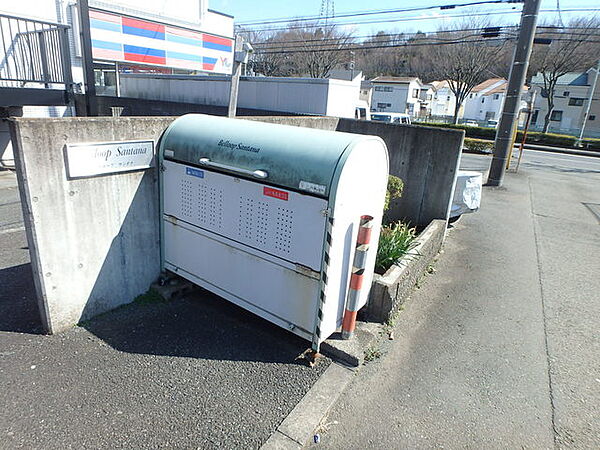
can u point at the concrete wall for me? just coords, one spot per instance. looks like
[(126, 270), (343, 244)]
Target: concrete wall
[(287, 95), (142, 107), (94, 242), (426, 158)]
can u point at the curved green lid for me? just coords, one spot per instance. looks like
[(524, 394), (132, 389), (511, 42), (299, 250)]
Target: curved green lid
[(292, 157)]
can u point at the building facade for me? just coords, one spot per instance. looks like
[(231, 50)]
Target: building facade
[(571, 96), (406, 95), (443, 101), (485, 101)]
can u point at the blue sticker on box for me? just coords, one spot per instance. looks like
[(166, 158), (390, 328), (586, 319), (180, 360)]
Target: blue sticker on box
[(194, 172)]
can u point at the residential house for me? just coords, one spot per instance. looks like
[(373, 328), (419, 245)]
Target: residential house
[(443, 101), (485, 100), (400, 95), (571, 95), (366, 91)]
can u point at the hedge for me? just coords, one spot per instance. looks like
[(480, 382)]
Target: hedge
[(533, 137), (478, 146)]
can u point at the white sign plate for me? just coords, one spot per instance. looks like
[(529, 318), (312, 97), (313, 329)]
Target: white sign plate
[(91, 159)]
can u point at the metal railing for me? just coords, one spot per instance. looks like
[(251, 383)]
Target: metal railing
[(34, 51)]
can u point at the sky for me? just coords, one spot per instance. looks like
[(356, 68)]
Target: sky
[(245, 10)]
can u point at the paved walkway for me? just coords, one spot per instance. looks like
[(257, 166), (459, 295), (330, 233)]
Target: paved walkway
[(500, 347), (194, 373)]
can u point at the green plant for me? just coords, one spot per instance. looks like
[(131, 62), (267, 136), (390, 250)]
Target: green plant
[(479, 145), (395, 187), (372, 354), (396, 241), (150, 296), (533, 137)]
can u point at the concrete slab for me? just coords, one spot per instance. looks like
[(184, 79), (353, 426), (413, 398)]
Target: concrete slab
[(352, 351), (468, 365)]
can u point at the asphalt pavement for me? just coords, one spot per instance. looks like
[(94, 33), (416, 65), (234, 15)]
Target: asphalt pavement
[(499, 347), (197, 372)]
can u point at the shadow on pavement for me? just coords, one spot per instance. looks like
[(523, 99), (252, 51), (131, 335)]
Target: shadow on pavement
[(200, 325), (18, 304)]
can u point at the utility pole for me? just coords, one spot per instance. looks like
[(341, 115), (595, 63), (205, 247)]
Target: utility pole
[(240, 56), (589, 105), (91, 103), (516, 80)]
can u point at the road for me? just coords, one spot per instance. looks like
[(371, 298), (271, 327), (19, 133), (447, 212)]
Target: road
[(540, 162), (197, 372), (499, 348)]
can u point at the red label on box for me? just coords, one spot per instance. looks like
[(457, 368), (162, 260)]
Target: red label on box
[(275, 193)]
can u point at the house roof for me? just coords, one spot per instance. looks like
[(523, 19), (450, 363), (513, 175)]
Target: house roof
[(571, 78), (398, 80), (439, 84), (486, 84), (502, 88)]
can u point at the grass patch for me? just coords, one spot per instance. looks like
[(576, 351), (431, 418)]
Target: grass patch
[(372, 353), (479, 146), (149, 297), (397, 240), (533, 137)]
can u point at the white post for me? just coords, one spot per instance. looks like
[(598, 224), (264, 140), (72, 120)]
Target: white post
[(589, 105)]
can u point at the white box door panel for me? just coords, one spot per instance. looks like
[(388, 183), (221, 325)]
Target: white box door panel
[(273, 289), (280, 222)]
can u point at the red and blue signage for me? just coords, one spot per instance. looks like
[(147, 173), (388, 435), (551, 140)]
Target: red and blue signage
[(126, 39)]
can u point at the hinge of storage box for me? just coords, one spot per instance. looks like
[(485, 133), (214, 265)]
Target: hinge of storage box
[(307, 271)]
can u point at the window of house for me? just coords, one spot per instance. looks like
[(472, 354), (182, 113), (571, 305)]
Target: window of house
[(384, 105), (556, 116), (379, 88), (415, 93), (483, 100), (574, 101), (470, 95), (566, 94), (535, 115), (496, 96), (592, 117), (388, 89), (448, 98)]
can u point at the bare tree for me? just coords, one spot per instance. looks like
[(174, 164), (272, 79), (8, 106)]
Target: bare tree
[(312, 49), (462, 58), (268, 58), (575, 48), (319, 48)]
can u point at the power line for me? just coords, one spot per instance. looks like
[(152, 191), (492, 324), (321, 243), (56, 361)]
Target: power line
[(506, 28), (410, 19), (368, 13), (374, 36), (411, 44), (331, 43)]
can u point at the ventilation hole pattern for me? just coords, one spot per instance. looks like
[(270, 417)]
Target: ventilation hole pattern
[(246, 218), (284, 229), (187, 198), (262, 222), (210, 207)]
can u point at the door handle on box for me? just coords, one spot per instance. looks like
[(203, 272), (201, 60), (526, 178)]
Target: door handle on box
[(253, 173)]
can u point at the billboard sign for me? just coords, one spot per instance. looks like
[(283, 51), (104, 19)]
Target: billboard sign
[(116, 37)]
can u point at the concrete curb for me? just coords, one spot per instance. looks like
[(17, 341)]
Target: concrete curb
[(298, 427), (566, 151), (543, 148)]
